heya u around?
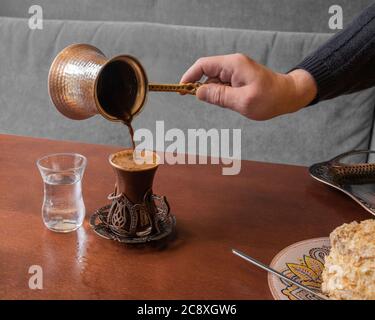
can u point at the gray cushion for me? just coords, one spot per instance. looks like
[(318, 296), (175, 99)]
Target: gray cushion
[(280, 15), (314, 134)]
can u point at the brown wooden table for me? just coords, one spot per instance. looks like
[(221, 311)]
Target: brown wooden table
[(264, 209)]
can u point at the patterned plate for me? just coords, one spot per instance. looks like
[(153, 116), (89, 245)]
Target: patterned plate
[(303, 262)]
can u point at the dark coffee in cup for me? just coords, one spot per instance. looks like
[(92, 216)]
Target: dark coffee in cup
[(131, 160)]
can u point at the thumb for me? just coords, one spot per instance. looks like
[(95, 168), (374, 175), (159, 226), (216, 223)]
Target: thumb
[(219, 94)]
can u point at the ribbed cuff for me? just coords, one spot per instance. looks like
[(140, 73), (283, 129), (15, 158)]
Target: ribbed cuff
[(322, 75)]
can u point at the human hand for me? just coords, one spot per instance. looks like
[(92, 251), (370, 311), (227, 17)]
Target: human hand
[(237, 82)]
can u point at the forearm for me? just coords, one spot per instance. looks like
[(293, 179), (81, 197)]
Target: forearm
[(346, 63)]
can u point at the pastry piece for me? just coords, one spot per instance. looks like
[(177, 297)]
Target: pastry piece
[(349, 269)]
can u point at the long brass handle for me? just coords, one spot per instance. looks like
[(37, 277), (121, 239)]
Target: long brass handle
[(185, 88)]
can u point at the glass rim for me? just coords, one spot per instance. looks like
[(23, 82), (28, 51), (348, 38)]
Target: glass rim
[(71, 154)]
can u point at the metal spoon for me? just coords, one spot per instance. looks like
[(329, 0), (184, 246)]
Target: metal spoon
[(276, 273)]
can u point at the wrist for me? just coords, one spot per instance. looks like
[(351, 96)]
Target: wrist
[(303, 88)]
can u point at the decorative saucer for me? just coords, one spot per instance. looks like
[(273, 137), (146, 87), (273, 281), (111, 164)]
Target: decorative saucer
[(302, 262), (98, 221)]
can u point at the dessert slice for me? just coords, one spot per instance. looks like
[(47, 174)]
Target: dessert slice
[(349, 269)]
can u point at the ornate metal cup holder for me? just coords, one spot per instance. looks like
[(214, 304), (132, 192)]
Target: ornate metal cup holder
[(121, 219), (355, 178)]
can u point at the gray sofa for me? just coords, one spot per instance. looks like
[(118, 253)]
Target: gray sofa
[(167, 36)]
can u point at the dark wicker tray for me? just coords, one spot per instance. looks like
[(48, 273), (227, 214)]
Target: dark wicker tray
[(351, 174)]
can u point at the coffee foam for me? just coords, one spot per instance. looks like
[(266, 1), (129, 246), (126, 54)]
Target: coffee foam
[(135, 161)]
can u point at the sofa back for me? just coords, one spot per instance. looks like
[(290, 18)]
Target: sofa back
[(314, 134), (278, 15)]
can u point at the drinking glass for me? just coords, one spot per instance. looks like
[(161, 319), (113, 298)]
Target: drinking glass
[(63, 208)]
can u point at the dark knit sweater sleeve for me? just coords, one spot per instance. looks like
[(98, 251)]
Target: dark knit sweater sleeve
[(346, 63)]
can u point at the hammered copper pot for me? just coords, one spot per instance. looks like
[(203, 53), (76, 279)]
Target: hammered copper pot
[(82, 82)]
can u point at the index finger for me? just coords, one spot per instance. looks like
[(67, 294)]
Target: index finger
[(207, 66)]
